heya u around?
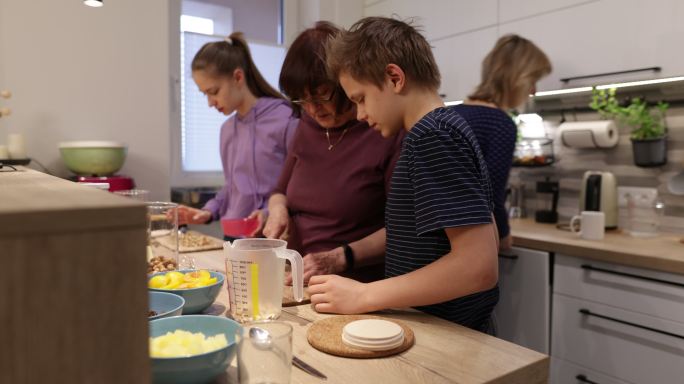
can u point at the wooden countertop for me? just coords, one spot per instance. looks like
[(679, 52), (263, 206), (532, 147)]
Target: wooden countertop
[(663, 253), (444, 352)]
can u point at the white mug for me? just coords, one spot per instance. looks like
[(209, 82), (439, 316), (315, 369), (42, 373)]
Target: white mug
[(593, 225)]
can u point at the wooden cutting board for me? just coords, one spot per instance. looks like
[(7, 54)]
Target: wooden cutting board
[(288, 297), (192, 241)]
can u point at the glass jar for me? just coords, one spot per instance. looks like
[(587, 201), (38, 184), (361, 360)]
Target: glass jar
[(645, 213)]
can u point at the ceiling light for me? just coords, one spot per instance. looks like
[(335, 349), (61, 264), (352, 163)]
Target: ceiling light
[(93, 3)]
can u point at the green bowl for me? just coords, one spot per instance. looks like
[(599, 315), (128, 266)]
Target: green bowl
[(93, 158)]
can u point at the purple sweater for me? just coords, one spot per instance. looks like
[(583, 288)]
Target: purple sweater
[(253, 151)]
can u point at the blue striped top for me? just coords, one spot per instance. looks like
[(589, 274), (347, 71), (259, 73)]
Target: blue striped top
[(440, 181), (496, 133)]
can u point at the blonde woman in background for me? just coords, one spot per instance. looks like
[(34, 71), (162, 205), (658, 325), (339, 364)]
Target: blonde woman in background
[(510, 73)]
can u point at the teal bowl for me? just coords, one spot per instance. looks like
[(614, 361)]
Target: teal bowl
[(165, 304), (198, 368), (196, 299), (93, 158)]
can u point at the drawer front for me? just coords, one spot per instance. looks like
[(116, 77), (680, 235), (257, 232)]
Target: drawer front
[(565, 372), (613, 341), (523, 314), (639, 290)]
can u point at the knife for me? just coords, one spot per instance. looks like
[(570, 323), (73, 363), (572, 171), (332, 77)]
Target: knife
[(297, 362)]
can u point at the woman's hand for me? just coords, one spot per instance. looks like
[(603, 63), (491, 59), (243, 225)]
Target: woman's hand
[(506, 243), (260, 215), (321, 263), (336, 294), (189, 215), (277, 222)]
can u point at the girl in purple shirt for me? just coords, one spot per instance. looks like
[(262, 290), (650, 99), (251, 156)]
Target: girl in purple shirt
[(254, 140)]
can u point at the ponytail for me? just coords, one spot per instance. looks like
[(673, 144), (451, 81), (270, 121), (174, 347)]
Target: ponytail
[(223, 57)]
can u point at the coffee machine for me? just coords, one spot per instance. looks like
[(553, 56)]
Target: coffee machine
[(547, 197), (599, 193)]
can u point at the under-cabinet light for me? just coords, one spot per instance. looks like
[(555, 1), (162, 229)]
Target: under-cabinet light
[(455, 102), (562, 91), (642, 82)]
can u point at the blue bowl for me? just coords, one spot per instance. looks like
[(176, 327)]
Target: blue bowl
[(165, 304), (198, 368), (196, 299)]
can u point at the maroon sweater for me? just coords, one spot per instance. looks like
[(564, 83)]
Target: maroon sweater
[(336, 196)]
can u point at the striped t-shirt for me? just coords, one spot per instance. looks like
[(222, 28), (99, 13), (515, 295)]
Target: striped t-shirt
[(440, 181)]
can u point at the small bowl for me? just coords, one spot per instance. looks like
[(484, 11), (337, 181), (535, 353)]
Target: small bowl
[(196, 299), (165, 304), (198, 368), (239, 227)]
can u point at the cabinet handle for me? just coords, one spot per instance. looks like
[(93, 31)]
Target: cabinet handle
[(509, 257), (584, 379), (587, 312), (592, 268)]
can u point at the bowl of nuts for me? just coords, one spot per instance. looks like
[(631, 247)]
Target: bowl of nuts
[(161, 264)]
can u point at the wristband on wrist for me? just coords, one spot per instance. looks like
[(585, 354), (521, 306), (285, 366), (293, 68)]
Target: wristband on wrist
[(348, 256)]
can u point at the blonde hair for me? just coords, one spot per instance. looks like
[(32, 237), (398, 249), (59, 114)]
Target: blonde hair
[(510, 70), (374, 42), (223, 57)]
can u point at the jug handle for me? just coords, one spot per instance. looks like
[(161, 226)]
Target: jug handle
[(297, 272)]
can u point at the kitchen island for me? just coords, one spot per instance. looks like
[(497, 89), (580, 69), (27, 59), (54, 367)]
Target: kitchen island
[(443, 352)]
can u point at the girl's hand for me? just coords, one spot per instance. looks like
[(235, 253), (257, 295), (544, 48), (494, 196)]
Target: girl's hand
[(189, 215), (336, 294)]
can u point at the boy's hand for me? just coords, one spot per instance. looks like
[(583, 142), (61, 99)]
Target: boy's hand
[(506, 243), (336, 294)]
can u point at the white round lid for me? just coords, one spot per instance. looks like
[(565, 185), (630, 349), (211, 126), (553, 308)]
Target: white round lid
[(92, 144), (372, 330)]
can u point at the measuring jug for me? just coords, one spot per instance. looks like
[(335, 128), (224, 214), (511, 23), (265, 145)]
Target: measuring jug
[(255, 272)]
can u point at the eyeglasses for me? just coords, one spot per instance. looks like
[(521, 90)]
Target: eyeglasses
[(316, 101)]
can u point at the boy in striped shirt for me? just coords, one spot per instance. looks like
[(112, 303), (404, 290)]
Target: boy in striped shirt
[(441, 242)]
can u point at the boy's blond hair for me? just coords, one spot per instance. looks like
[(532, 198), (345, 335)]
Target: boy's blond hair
[(510, 70), (365, 50)]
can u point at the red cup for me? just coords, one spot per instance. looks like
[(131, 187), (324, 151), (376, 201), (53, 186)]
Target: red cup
[(239, 227)]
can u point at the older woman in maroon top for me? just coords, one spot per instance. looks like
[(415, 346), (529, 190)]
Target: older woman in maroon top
[(330, 200)]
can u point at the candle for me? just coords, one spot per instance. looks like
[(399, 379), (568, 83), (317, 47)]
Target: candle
[(16, 146)]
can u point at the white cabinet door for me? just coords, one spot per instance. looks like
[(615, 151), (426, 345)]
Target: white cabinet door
[(523, 313)]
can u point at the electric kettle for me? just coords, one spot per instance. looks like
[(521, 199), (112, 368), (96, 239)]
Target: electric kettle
[(599, 193)]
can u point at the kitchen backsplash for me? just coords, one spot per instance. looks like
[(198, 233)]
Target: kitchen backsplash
[(570, 165)]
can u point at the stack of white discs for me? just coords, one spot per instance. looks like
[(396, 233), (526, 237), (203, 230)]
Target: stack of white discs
[(373, 334)]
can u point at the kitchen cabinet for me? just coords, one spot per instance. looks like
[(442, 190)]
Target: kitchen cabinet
[(523, 313), (623, 322), (74, 293)]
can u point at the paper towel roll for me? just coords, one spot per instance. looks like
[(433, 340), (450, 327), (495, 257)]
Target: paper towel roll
[(589, 134)]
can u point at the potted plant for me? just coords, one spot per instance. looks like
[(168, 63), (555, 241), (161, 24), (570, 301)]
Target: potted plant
[(649, 134)]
